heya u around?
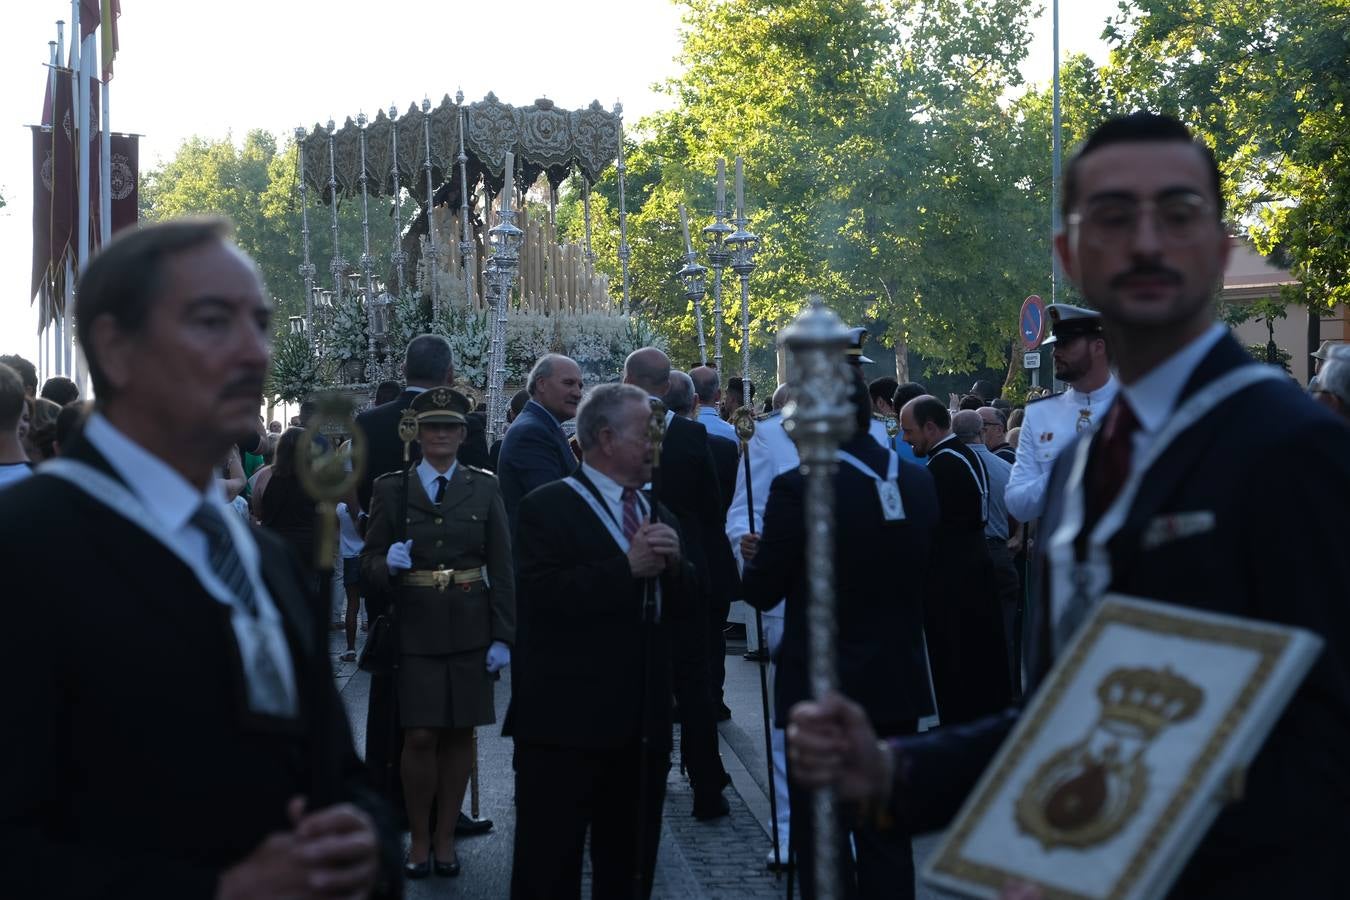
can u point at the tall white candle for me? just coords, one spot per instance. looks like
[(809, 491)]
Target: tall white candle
[(721, 184), (684, 224), (740, 189), (509, 175)]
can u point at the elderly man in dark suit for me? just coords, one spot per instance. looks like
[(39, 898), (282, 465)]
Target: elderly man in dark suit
[(880, 619), (218, 762), (535, 450), (601, 576), (1147, 246), (694, 496)]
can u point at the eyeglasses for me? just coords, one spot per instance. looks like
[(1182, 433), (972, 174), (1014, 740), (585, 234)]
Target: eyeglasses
[(1180, 219)]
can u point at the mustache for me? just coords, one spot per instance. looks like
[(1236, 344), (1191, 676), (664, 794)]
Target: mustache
[(1147, 271)]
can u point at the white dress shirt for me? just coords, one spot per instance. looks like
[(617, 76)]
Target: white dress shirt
[(1154, 397), (171, 501), (771, 454), (427, 474), (612, 492)]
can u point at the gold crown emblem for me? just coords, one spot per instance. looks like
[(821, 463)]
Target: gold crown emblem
[(1148, 699)]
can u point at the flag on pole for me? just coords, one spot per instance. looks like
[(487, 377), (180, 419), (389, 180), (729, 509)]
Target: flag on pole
[(54, 197), (111, 10), (125, 180)]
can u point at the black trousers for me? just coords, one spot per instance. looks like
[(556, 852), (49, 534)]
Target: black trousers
[(884, 867), (717, 651), (561, 792), (694, 696), (1009, 587)]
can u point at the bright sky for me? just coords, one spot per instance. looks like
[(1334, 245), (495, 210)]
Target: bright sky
[(189, 68)]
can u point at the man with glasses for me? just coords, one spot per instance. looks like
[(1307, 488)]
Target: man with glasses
[(1051, 423), (1175, 498), (994, 433)]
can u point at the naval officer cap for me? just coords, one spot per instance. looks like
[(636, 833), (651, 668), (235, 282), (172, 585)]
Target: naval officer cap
[(441, 406), (1072, 321), (856, 337)]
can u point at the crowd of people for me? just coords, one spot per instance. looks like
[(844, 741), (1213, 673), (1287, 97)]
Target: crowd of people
[(596, 550)]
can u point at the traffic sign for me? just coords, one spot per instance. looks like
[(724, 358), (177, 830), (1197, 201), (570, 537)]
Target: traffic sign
[(1031, 321), (1031, 360)]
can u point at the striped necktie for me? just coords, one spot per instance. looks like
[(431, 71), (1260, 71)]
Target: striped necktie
[(631, 520)]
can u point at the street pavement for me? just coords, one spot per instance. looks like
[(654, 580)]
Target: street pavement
[(697, 860)]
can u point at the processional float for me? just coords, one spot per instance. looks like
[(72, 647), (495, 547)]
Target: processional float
[(467, 167)]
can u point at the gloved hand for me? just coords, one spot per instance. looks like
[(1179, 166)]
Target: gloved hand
[(498, 657), (399, 557)]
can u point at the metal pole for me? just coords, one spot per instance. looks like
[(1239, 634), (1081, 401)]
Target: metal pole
[(625, 253), (367, 261), (105, 171), (337, 265), (432, 250), (1054, 164), (586, 214), (718, 257), (306, 268), (742, 244), (396, 256), (818, 419), (466, 254), (506, 238)]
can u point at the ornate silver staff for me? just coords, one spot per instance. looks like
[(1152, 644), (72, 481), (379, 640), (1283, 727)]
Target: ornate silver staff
[(718, 257), (397, 257), (466, 259), (818, 419), (506, 238), (306, 268), (625, 252), (694, 277), (742, 246), (337, 265), (367, 261), (432, 250)]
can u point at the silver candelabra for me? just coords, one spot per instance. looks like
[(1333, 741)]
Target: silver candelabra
[(819, 418), (506, 239), (742, 245)]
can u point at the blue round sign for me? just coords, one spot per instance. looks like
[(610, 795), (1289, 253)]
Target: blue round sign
[(1032, 321)]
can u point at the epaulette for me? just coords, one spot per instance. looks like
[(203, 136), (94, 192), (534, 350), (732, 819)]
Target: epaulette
[(481, 471), (764, 417), (392, 474), (1046, 397)]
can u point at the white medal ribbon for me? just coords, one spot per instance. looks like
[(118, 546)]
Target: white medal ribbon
[(606, 518), (888, 490), (1083, 583), (979, 482), (264, 631)]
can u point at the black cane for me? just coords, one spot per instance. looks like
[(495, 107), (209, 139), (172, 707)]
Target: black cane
[(657, 433), (744, 421)]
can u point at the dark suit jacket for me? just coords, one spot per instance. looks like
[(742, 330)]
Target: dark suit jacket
[(690, 488), (726, 455), (577, 668), (385, 450), (534, 452), (880, 615), (1285, 837), (130, 766)]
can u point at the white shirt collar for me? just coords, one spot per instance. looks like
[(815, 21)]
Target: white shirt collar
[(608, 487), (427, 474), (1154, 396), (168, 496), (1098, 397)]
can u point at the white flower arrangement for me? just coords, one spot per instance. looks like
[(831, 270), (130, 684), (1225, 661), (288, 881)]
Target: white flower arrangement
[(347, 337)]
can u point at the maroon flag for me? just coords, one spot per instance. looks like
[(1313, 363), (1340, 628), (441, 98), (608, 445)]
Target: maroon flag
[(125, 180), (54, 196)]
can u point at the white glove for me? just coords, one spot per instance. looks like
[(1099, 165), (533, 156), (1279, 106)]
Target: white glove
[(399, 557), (498, 657)]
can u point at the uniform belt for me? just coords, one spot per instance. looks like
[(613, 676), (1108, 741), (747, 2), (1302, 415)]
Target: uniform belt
[(442, 578)]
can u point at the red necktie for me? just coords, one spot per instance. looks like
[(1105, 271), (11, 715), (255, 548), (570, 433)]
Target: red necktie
[(631, 522), (1111, 462)]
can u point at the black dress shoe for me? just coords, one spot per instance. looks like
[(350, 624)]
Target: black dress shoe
[(447, 870), (415, 871), (465, 826), (709, 808)]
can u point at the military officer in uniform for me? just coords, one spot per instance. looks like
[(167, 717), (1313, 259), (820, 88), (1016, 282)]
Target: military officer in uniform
[(875, 427), (1052, 422), (438, 538)]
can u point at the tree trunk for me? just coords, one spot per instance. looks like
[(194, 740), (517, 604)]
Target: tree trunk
[(901, 355), (1014, 364)]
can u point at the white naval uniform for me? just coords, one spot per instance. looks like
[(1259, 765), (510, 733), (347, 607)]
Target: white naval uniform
[(1048, 426)]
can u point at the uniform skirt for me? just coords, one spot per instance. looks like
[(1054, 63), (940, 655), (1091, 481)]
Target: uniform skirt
[(447, 691)]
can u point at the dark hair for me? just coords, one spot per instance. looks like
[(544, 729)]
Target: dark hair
[(428, 358), (882, 388), (984, 389), (970, 401), (387, 390), (70, 422), (860, 395), (998, 414), (907, 392), (930, 409), (518, 401), (126, 277), (12, 398), (1138, 127), (60, 390), (23, 368), (734, 384), (283, 460)]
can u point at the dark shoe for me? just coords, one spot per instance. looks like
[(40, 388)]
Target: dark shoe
[(709, 808), (414, 871), (447, 870), (466, 827), (755, 656)]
